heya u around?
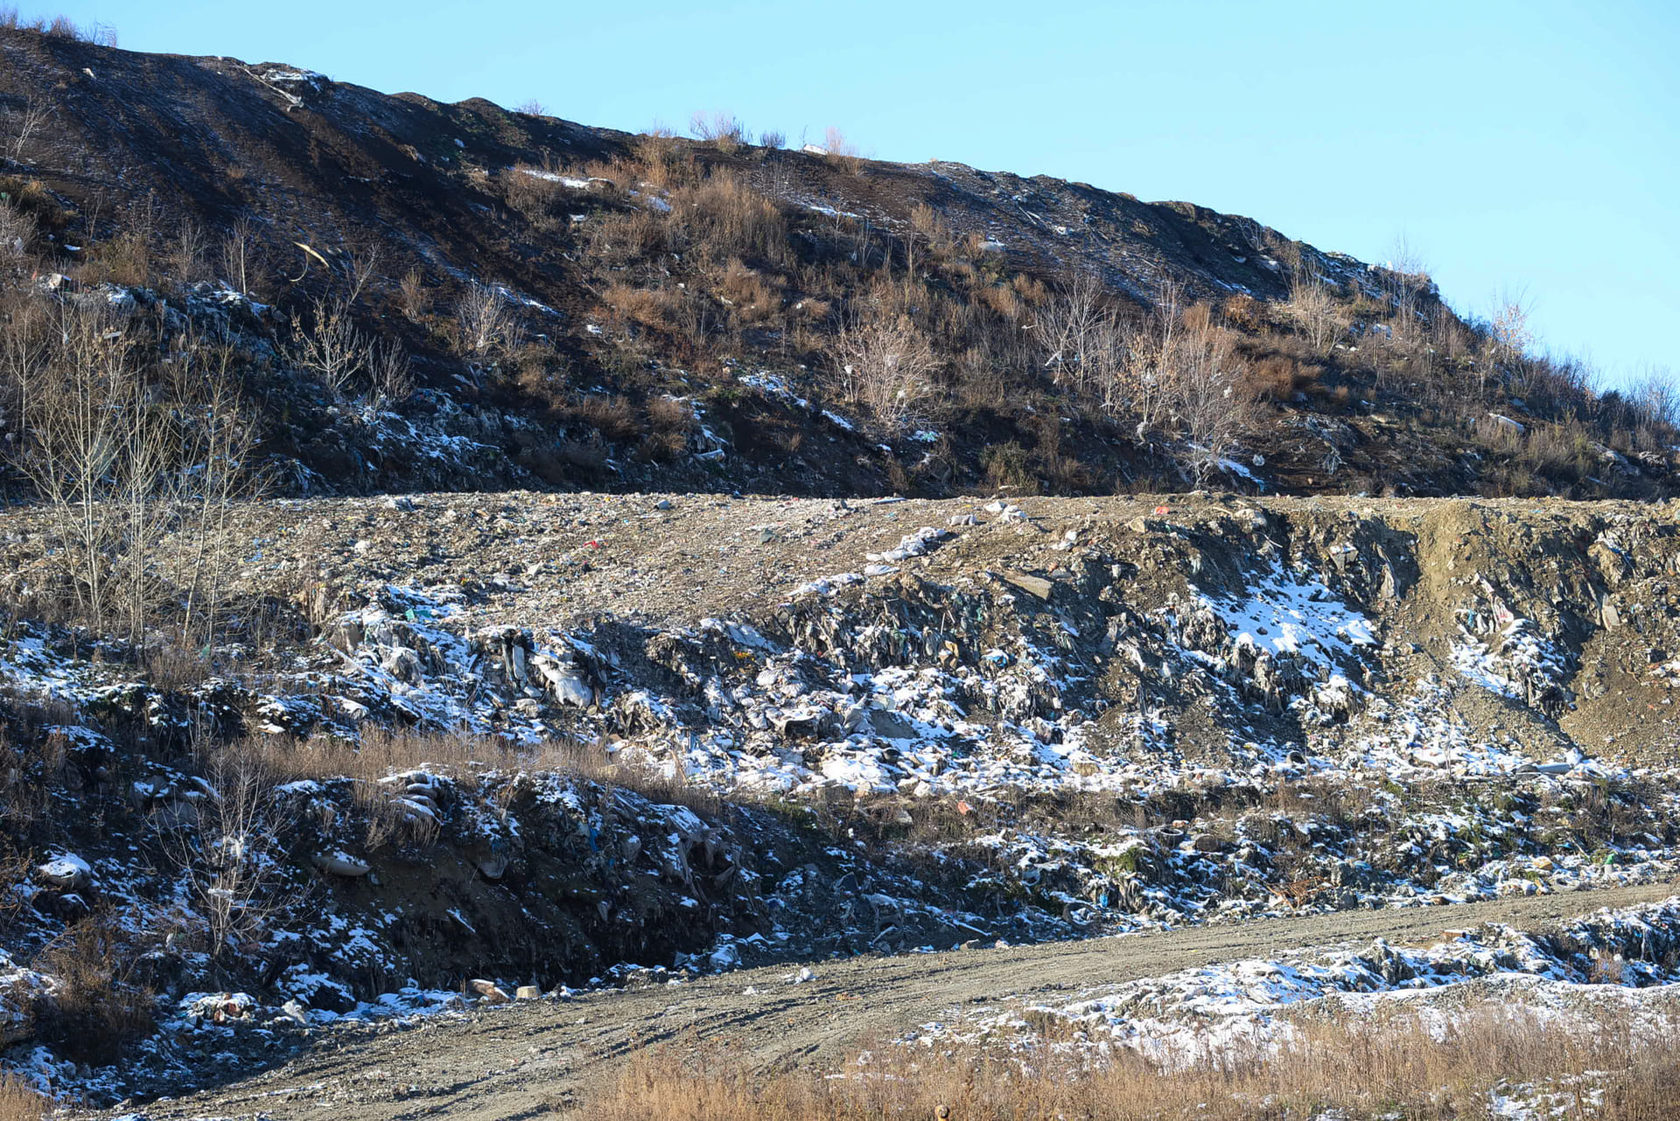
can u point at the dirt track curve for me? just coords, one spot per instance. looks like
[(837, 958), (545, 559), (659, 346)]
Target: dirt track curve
[(524, 1059)]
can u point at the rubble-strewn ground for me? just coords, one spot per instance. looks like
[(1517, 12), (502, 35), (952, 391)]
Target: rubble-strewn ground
[(539, 740)]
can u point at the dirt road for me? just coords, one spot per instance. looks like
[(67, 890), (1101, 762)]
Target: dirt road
[(523, 1059)]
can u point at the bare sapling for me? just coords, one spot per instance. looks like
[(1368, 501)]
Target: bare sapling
[(1315, 311), (885, 362), (486, 322), (26, 125), (331, 347), (218, 449), (224, 849), (1206, 391)]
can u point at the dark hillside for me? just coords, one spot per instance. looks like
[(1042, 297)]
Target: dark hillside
[(559, 305)]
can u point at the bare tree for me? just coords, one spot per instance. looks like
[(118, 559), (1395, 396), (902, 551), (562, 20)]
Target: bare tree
[(1079, 335), (121, 459), (144, 491), (217, 450), (225, 855), (188, 250), (1131, 361), (238, 252), (885, 362), (331, 347), (486, 321), (69, 366), (1315, 310), (1509, 330), (1405, 282), (26, 123), (1206, 390), (1656, 397)]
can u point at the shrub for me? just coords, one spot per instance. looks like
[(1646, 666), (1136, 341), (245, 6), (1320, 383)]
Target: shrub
[(412, 298), (96, 1010), (1317, 313), (331, 347), (486, 322), (719, 128), (884, 361), (17, 236), (1006, 468)]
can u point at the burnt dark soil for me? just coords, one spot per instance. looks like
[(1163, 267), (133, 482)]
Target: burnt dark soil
[(623, 306)]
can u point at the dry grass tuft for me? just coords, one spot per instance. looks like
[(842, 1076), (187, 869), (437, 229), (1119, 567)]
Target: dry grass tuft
[(655, 308), (19, 1101), (383, 752), (96, 1010)]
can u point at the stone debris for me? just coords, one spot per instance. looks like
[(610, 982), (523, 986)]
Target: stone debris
[(489, 991)]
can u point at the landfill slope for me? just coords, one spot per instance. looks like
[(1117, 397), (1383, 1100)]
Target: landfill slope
[(575, 741)]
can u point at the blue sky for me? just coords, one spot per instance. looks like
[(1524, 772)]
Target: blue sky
[(1525, 148)]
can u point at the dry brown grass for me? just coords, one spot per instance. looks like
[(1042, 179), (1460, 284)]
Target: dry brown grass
[(661, 161), (721, 129), (624, 237), (96, 1010), (724, 217), (412, 297), (383, 752), (655, 308), (670, 417), (841, 151), (754, 299), (125, 259), (614, 417), (1278, 377), (1351, 1067), (19, 1101)]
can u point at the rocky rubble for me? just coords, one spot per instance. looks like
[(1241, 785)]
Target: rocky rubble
[(862, 728)]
